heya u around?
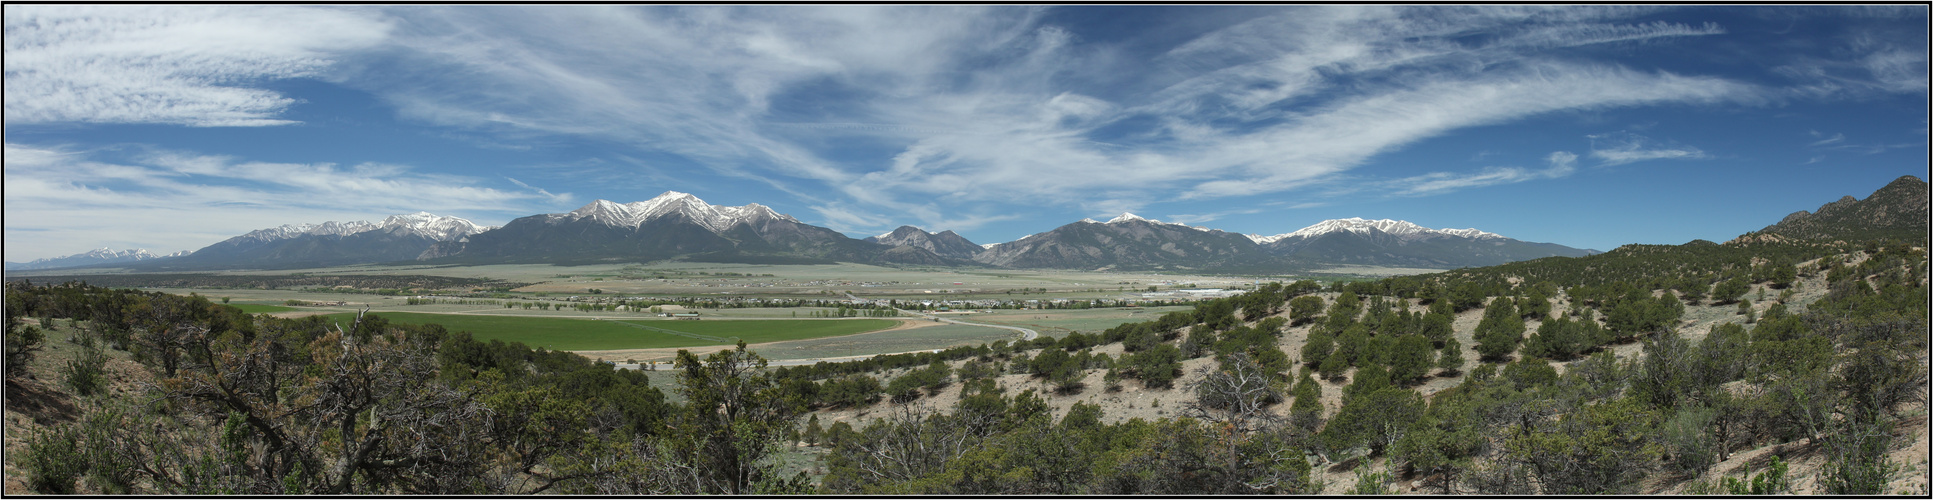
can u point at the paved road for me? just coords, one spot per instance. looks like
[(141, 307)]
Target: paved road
[(1025, 334)]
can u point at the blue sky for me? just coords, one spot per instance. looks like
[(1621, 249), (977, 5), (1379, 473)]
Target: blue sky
[(173, 127)]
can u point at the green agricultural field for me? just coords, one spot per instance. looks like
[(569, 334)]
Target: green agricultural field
[(566, 334), (261, 308)]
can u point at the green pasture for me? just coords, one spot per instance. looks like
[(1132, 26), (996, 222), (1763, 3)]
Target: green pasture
[(567, 334)]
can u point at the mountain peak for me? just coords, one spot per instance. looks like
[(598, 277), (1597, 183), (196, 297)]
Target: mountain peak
[(900, 233), (425, 224), (946, 243), (432, 226), (1399, 228), (1125, 217), (715, 218), (1898, 209)]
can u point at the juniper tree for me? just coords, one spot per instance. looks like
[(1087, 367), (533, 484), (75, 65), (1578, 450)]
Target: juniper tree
[(1500, 331)]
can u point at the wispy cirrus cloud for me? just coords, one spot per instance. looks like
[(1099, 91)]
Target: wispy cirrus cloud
[(1200, 218), (188, 65), (62, 200), (1838, 142), (1561, 164), (1625, 147), (970, 109), (875, 116), (554, 198), (1825, 141)]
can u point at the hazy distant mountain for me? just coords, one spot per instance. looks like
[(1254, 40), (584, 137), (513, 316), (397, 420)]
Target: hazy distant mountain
[(1127, 242), (671, 225), (91, 258), (396, 238), (1132, 242), (1898, 210), (1388, 242), (946, 243)]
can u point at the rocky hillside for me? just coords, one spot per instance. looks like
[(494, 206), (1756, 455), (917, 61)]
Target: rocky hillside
[(1127, 242), (1898, 210)]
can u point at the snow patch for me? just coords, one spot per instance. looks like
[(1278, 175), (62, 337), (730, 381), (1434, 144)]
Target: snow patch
[(716, 218), (425, 224), (1402, 229)]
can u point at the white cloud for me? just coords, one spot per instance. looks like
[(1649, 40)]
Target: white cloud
[(1562, 164), (1836, 138), (187, 65), (554, 198), (1624, 147), (977, 110), (1869, 64), (60, 201), (1200, 218), (1589, 34), (990, 107)]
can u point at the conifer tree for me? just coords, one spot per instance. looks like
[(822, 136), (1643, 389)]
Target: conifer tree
[(1451, 361), (1500, 331)]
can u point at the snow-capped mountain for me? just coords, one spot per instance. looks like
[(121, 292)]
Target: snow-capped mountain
[(435, 227), (91, 257), (1398, 228), (1130, 241), (396, 238), (672, 225), (676, 225), (716, 218), (1128, 217), (1387, 242), (946, 243), (425, 224)]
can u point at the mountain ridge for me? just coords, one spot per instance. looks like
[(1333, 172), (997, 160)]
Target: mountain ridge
[(945, 243), (1896, 210), (104, 255), (332, 243), (671, 225), (676, 225)]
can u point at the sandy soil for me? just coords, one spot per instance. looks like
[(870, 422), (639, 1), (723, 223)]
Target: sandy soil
[(1134, 401), (38, 401)]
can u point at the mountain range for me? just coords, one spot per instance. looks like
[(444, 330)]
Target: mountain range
[(396, 238), (89, 258), (1128, 242), (672, 225), (678, 225), (1399, 243)]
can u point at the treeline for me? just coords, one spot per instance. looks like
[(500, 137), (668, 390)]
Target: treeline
[(424, 301), (712, 303), (855, 312)]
